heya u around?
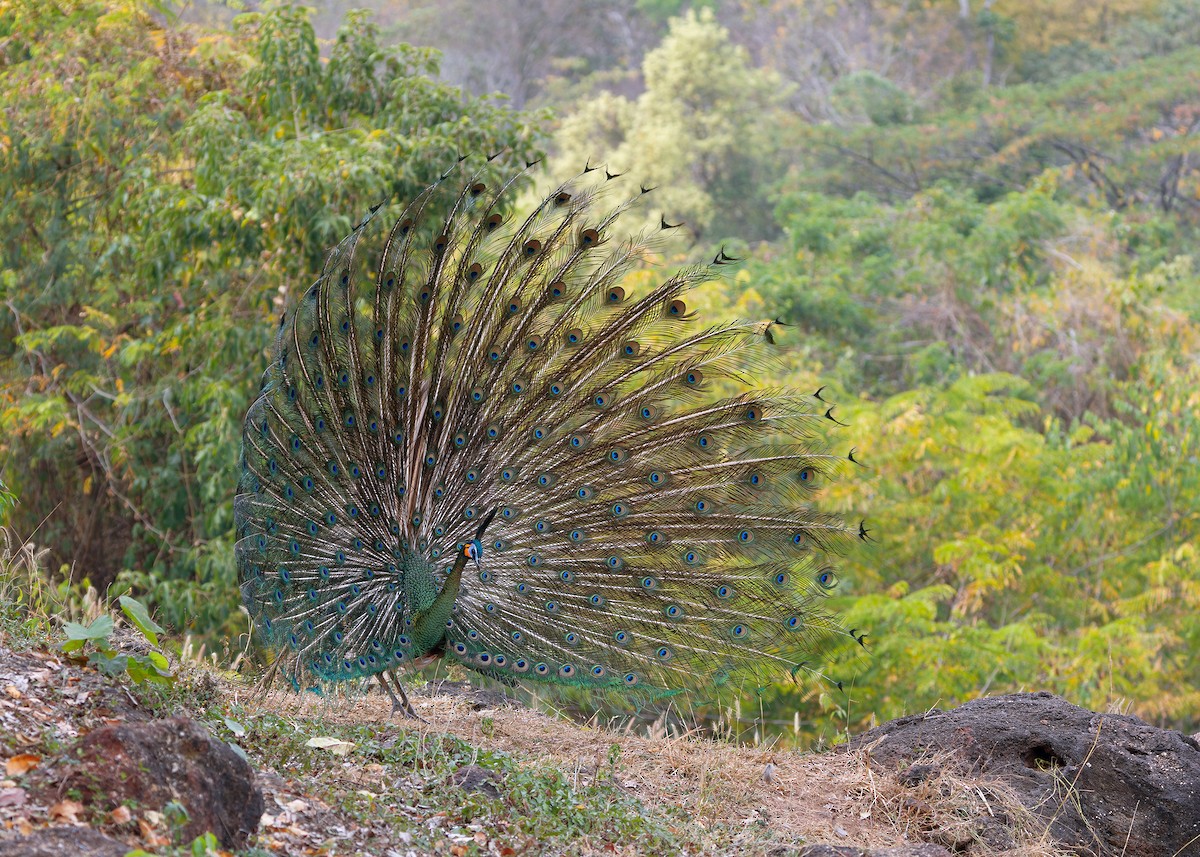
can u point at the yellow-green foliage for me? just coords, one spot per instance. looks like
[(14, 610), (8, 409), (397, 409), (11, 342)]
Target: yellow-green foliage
[(995, 283)]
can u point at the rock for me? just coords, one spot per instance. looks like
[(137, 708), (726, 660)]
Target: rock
[(853, 851), (472, 778), (155, 763), (57, 841), (477, 698), (1105, 784)]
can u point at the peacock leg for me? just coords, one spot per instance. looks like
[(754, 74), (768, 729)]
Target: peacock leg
[(400, 704)]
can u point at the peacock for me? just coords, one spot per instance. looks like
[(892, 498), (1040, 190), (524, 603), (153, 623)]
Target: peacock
[(487, 445)]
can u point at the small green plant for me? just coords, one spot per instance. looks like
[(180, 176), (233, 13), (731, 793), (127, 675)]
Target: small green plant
[(150, 667), (8, 500), (204, 845)]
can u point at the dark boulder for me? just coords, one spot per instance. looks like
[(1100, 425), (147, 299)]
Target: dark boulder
[(1104, 784), (155, 763)]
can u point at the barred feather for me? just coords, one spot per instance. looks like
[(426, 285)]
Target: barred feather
[(650, 531)]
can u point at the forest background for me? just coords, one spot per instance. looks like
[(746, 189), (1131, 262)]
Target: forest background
[(977, 216)]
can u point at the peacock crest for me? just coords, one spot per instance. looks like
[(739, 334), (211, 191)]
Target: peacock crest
[(481, 446)]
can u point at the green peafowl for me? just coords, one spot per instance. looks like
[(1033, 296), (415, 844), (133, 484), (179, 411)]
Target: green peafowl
[(483, 448)]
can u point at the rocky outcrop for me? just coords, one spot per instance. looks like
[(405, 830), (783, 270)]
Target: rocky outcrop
[(1103, 784), (152, 764)]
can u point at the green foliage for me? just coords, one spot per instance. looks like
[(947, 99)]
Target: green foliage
[(1123, 136), (867, 95), (8, 501), (993, 274), (699, 133), (97, 636), (164, 188)]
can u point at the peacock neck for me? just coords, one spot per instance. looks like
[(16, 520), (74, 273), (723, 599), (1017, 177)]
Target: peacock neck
[(430, 608)]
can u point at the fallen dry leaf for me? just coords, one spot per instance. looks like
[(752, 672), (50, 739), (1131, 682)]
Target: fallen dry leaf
[(66, 810), (12, 797), (22, 763), (334, 745), (120, 815), (151, 838)]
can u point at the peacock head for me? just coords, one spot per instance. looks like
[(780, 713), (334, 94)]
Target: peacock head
[(473, 550)]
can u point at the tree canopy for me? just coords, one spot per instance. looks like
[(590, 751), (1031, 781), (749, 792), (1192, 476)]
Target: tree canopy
[(974, 221)]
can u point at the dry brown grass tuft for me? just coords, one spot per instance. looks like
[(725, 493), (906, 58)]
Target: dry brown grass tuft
[(833, 797)]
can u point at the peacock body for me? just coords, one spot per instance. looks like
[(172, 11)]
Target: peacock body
[(480, 446)]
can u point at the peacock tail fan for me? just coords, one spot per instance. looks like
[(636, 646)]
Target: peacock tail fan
[(654, 527)]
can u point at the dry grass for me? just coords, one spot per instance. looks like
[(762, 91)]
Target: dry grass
[(834, 797)]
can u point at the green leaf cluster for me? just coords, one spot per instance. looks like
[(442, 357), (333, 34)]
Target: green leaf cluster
[(97, 636)]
